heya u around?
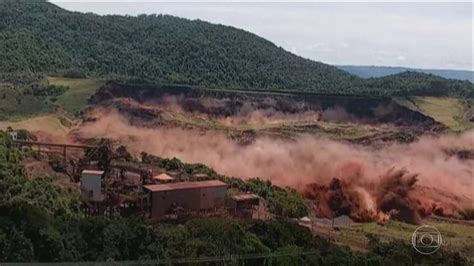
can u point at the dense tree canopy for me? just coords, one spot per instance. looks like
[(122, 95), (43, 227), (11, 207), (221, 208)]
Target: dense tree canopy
[(39, 37), (415, 83)]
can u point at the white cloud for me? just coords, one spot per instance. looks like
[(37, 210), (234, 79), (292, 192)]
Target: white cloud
[(401, 58)]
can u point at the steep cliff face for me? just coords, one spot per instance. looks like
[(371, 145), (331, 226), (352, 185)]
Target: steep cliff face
[(237, 108)]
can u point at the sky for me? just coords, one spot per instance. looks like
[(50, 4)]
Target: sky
[(422, 35)]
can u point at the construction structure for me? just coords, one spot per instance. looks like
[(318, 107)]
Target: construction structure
[(244, 205), (13, 134), (163, 178), (113, 186), (52, 147), (91, 185), (122, 188), (187, 196)]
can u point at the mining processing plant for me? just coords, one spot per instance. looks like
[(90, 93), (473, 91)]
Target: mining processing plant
[(163, 198), (112, 186), (199, 195)]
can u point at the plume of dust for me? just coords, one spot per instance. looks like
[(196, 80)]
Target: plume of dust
[(248, 113), (337, 114), (365, 189), (267, 116)]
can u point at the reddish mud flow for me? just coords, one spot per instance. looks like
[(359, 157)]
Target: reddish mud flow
[(355, 180)]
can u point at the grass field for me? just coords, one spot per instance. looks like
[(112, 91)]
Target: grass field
[(75, 99), (16, 105), (451, 112), (50, 124), (456, 237)]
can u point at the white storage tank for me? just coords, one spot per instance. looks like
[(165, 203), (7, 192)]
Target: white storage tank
[(91, 185)]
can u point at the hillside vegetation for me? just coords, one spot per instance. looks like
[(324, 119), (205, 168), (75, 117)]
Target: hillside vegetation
[(451, 112), (40, 37), (381, 71), (76, 97), (421, 84), (43, 223), (17, 104)]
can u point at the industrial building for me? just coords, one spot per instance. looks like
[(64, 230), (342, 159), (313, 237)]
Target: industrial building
[(13, 134), (245, 205), (91, 185), (190, 196), (163, 178)]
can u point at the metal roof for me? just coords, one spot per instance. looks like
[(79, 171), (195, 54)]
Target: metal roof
[(163, 177), (185, 185), (244, 197), (92, 172)]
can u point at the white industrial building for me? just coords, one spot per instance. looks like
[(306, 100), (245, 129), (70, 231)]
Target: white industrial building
[(13, 134), (91, 185)]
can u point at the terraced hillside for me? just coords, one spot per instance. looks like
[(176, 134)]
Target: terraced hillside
[(243, 114), (455, 113)]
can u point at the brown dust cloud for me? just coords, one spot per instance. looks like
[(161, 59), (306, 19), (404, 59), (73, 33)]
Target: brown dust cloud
[(407, 181)]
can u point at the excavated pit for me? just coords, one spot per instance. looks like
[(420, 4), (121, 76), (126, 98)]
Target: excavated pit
[(145, 104)]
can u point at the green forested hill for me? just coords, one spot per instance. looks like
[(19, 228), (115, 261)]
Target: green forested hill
[(416, 83), (37, 36), (40, 36), (382, 71)]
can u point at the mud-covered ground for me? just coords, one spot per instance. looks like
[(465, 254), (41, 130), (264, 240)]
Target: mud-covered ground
[(368, 158), (246, 115)]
